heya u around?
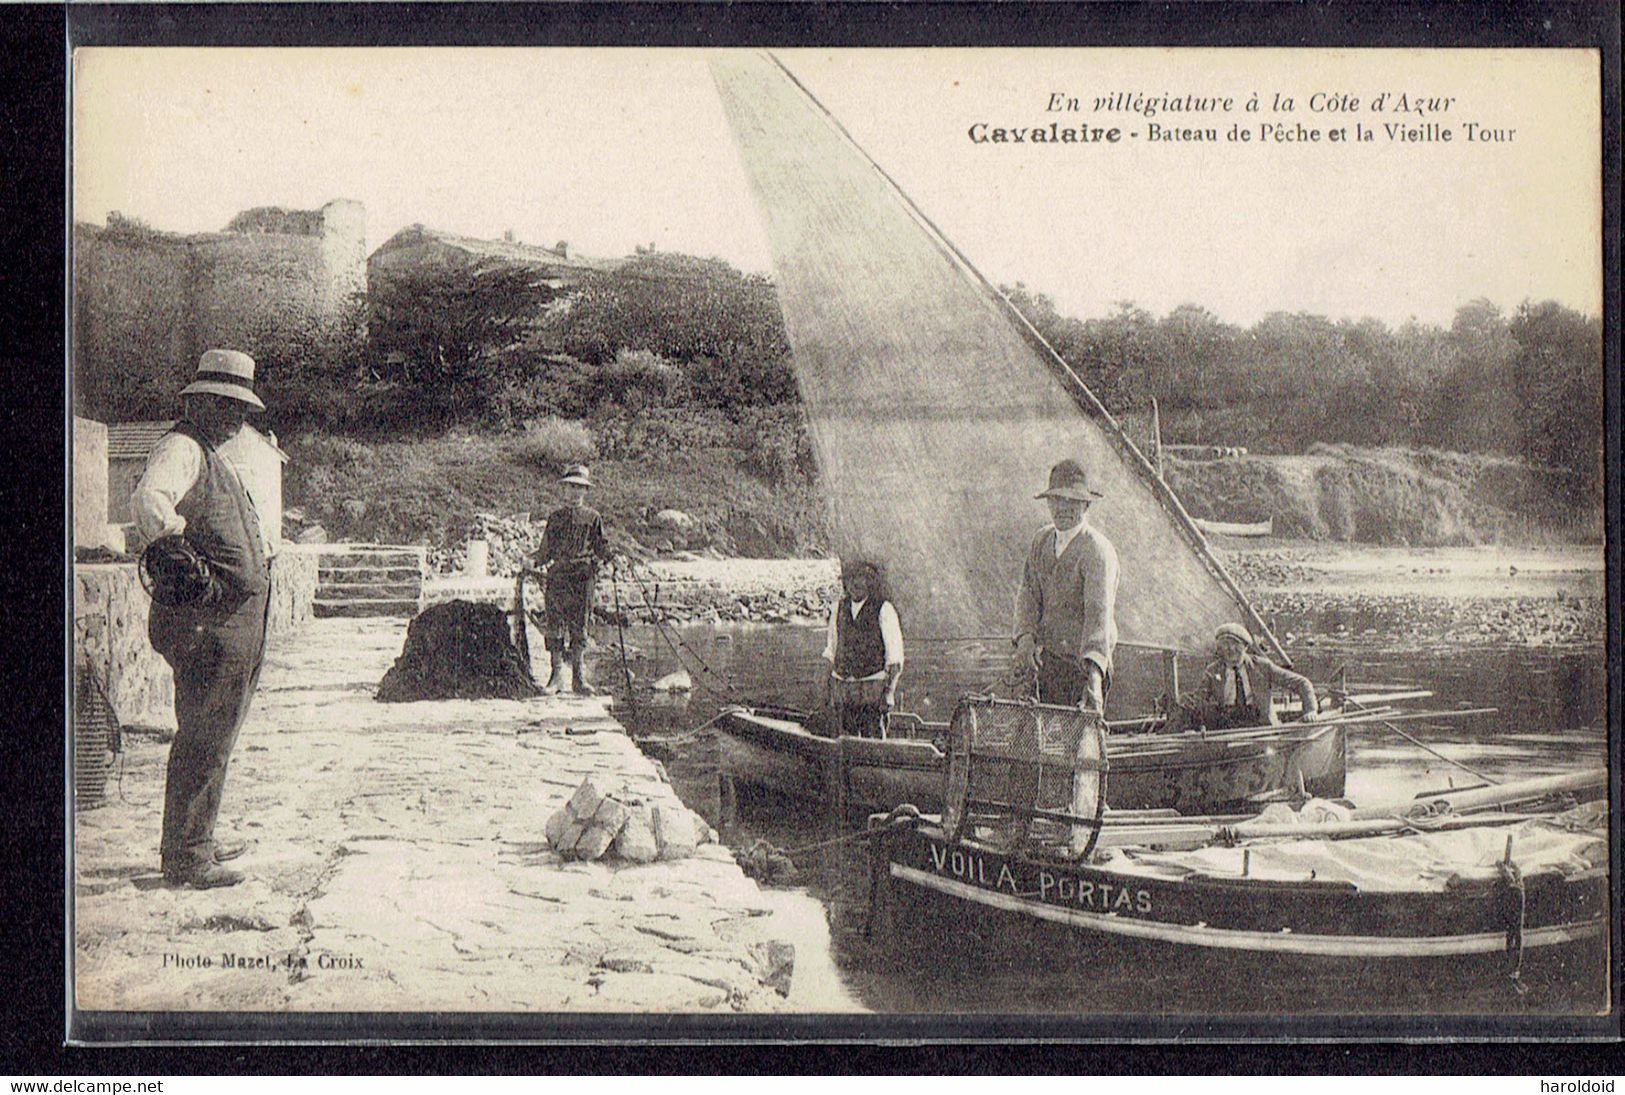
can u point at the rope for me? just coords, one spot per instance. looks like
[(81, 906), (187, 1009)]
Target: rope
[(1427, 749), (764, 860), (1515, 903), (620, 632), (727, 691)]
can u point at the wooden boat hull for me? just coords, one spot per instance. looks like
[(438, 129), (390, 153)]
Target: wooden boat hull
[(1192, 774), (920, 872)]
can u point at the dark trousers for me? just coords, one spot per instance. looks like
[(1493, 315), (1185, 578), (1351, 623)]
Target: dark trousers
[(860, 708), (216, 672), (566, 610), (1064, 682)]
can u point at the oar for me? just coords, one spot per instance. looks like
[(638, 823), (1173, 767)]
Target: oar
[(1429, 749)]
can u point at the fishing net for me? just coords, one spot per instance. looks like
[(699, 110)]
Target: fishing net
[(934, 414), (459, 650), (97, 739), (1024, 775)]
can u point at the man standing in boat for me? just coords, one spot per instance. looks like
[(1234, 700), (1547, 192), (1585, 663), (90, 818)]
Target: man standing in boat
[(1237, 687), (865, 653), (573, 548), (1066, 627)]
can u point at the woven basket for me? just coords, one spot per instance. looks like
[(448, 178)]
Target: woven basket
[(97, 739)]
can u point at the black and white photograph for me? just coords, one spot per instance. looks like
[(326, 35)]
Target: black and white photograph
[(1112, 537)]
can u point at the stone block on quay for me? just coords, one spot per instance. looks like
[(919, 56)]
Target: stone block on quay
[(570, 837), (584, 803), (595, 841), (776, 961), (676, 831), (636, 842), (611, 815), (556, 825)]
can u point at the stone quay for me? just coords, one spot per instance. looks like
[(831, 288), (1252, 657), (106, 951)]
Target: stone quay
[(398, 861)]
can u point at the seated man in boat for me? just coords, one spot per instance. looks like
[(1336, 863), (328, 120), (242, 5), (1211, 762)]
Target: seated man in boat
[(1065, 626), (865, 654), (1237, 687)]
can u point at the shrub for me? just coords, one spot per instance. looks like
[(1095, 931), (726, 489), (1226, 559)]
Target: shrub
[(550, 443)]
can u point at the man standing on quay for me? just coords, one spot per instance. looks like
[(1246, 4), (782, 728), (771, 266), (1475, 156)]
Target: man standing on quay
[(573, 549), (210, 564), (1066, 626)]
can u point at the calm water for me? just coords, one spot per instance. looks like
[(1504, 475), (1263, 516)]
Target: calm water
[(1550, 718)]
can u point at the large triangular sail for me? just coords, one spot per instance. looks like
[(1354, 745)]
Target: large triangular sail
[(935, 411)]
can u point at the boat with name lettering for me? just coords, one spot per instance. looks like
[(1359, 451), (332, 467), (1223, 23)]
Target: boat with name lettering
[(931, 402), (1495, 869)]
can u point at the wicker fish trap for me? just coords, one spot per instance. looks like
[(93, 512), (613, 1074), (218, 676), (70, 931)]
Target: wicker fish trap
[(97, 739), (1025, 775)]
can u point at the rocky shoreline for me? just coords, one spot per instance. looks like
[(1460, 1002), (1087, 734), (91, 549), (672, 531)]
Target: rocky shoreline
[(1458, 597)]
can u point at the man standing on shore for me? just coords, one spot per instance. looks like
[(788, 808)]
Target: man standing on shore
[(573, 548), (1065, 620), (209, 560)]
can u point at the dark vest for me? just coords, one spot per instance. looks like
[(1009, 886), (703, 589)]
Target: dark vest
[(222, 525), (860, 650)]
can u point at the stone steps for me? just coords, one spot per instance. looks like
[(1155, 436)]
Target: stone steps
[(383, 591), (370, 573), (381, 607), (368, 580)]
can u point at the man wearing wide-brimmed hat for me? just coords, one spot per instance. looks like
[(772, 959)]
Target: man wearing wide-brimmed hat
[(573, 548), (1065, 626), (192, 505)]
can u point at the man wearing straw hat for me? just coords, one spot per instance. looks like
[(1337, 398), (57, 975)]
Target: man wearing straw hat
[(1065, 625), (209, 561), (573, 548)]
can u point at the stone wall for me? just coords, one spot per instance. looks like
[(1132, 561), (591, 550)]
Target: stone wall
[(148, 303), (89, 483), (110, 630)]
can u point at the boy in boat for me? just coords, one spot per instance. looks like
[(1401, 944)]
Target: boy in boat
[(573, 548), (1237, 687), (1065, 625), (865, 654)]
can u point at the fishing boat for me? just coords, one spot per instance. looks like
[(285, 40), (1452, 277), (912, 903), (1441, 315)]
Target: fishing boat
[(932, 406), (773, 750), (1447, 875)]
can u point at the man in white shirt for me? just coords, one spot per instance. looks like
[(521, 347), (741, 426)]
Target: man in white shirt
[(191, 503), (865, 654)]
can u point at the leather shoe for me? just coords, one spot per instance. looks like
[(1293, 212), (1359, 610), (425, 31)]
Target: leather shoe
[(207, 877), (229, 849)]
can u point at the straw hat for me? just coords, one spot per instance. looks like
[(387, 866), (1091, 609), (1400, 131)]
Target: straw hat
[(1234, 631), (576, 473), (228, 373)]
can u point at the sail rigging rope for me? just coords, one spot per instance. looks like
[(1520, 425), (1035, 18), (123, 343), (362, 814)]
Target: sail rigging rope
[(727, 691), (1427, 749)]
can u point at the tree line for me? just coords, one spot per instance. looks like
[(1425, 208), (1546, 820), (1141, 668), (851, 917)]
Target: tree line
[(494, 346)]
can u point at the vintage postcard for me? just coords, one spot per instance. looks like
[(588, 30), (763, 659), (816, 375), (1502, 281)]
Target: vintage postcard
[(1113, 536)]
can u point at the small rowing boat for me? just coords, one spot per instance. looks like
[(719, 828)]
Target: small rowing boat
[(774, 750)]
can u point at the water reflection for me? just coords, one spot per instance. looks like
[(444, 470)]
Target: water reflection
[(1550, 718)]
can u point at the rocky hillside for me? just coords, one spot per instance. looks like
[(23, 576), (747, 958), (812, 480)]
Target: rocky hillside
[(1390, 496)]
